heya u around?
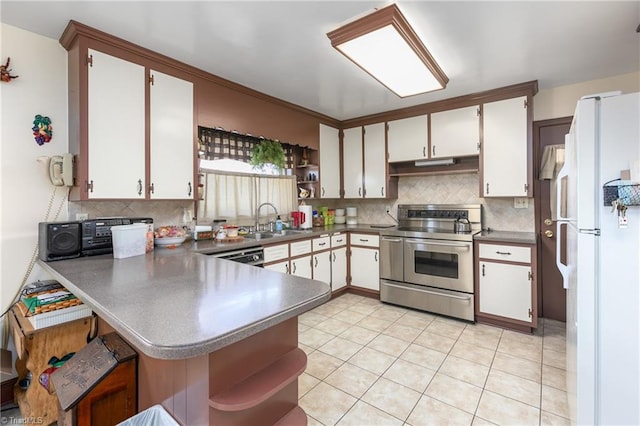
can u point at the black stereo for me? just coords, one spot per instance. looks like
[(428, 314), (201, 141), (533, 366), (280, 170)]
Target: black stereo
[(96, 233), (59, 240)]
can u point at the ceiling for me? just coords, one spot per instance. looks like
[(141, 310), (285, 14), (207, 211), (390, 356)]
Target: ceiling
[(281, 48)]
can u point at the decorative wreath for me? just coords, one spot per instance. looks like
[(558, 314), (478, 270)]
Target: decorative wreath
[(42, 129)]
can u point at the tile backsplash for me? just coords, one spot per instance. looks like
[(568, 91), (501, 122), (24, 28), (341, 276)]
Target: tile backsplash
[(498, 213), (162, 212)]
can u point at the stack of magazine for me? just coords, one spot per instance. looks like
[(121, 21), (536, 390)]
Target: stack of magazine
[(48, 303)]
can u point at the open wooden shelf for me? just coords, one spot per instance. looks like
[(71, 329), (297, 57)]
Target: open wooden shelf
[(262, 385)]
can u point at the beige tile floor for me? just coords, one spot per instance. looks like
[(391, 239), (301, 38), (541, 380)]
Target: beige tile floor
[(371, 363)]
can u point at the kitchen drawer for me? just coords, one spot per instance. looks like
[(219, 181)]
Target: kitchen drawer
[(365, 240), (338, 240), (300, 247), (322, 243), (273, 253), (521, 254)]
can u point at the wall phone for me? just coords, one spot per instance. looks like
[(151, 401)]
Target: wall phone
[(61, 170)]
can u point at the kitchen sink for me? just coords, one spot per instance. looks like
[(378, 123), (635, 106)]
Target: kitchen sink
[(263, 235), (260, 235)]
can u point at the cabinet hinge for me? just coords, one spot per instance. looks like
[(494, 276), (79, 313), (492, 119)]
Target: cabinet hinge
[(530, 276), (478, 111), (151, 80), (526, 188), (530, 313), (479, 145), (526, 104), (90, 60)]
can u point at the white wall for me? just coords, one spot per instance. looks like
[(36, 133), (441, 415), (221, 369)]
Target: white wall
[(561, 101), (25, 190)]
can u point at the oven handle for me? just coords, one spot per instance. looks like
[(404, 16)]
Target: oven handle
[(464, 246), (432, 292)]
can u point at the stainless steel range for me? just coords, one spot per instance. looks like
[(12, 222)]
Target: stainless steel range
[(426, 262)]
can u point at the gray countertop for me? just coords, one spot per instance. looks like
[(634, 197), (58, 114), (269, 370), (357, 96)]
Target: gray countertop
[(506, 237), (176, 303), (213, 246)]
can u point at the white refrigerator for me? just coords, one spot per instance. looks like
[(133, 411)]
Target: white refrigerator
[(601, 271)]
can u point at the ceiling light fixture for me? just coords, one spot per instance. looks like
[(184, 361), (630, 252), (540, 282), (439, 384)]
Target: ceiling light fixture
[(384, 45), (439, 162)]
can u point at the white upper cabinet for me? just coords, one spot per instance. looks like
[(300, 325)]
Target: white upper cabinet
[(504, 148), (407, 139), (375, 161), (352, 162), (329, 162), (172, 143), (116, 128), (455, 133)]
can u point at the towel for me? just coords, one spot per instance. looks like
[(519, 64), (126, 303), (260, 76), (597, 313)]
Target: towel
[(552, 161), (550, 165)]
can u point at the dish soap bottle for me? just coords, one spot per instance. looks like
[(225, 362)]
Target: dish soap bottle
[(278, 224)]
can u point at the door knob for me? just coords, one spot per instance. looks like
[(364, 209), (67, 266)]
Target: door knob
[(548, 233)]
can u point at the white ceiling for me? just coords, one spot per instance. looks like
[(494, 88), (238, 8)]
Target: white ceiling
[(281, 48)]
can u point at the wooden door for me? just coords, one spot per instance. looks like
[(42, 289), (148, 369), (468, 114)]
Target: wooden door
[(551, 294)]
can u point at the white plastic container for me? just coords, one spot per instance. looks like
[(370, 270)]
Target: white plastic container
[(129, 240)]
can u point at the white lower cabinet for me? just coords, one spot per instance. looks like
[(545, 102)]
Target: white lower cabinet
[(365, 260), (277, 258), (279, 267), (365, 268), (338, 268), (301, 267), (322, 266), (506, 286), (505, 290)]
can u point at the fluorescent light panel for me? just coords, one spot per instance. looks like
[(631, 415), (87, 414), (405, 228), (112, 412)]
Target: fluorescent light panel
[(385, 46), (438, 162)]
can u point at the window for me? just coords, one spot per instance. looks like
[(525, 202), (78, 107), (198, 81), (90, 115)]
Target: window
[(233, 191)]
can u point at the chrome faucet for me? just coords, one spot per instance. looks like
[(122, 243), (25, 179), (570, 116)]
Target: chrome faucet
[(258, 213)]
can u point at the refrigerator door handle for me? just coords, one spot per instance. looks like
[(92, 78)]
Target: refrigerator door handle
[(564, 269), (562, 174)]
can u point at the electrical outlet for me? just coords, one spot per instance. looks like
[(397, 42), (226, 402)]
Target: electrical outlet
[(520, 203), (388, 209), (82, 216)]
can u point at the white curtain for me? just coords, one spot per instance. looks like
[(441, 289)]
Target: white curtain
[(235, 196)]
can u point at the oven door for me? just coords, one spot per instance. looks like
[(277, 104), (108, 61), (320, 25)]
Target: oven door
[(439, 263)]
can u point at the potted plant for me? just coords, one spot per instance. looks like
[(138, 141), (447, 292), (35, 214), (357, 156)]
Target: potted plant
[(267, 152)]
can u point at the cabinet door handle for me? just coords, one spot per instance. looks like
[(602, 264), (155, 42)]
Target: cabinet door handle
[(294, 268), (382, 191), (316, 261), (360, 192), (323, 191), (139, 186), (334, 257), (152, 188), (483, 270), (190, 189), (487, 188), (322, 244), (433, 150), (375, 256), (286, 268), (505, 253), (424, 151), (362, 240)]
